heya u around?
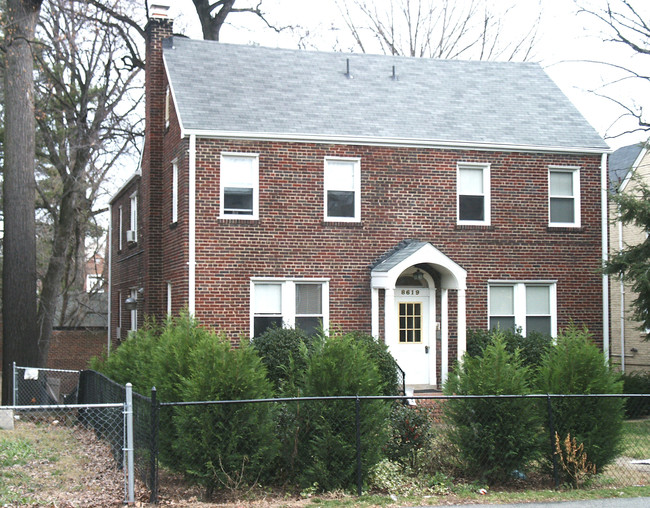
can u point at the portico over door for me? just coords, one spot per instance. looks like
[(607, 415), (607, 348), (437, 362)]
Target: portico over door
[(414, 347)]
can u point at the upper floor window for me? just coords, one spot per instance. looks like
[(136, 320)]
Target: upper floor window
[(342, 189), (167, 106), (174, 191), (473, 181), (564, 197), (296, 303), (530, 306), (120, 219), (239, 184), (132, 233)]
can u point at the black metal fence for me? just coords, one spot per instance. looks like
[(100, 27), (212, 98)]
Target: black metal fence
[(336, 442)]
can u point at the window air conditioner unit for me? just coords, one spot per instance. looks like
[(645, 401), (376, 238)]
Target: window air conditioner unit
[(131, 236)]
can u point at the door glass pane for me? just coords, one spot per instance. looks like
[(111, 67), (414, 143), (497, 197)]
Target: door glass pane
[(538, 300), (470, 181), (471, 208), (268, 299), (562, 210), (540, 324), (308, 299), (561, 183), (410, 323), (502, 301)]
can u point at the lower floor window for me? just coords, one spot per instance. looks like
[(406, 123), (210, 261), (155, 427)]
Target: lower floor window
[(530, 306), (293, 303)]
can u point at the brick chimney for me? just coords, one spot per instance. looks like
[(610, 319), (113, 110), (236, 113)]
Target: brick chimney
[(159, 27)]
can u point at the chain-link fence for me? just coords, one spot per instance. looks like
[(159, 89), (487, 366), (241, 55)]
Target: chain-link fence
[(338, 442), (34, 386)]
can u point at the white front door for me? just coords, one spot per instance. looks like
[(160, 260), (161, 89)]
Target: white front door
[(412, 345)]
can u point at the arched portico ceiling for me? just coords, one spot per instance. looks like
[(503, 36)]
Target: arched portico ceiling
[(384, 275)]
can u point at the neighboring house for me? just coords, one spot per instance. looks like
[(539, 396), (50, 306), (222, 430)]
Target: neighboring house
[(408, 198), (627, 166)]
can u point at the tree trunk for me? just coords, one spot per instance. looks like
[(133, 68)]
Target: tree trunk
[(20, 334)]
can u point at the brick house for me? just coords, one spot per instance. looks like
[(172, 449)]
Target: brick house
[(627, 166), (408, 198)]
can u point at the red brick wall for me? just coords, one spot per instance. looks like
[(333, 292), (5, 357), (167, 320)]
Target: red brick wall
[(405, 193), (73, 349)]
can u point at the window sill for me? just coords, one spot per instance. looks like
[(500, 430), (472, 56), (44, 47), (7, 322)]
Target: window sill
[(239, 220), (474, 227), (565, 229), (344, 224)]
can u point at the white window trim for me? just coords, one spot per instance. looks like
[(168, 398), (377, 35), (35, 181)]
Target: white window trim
[(134, 312), (357, 190), (575, 172), (174, 191), (519, 299), (487, 203), (169, 298), (134, 213), (256, 187), (288, 289), (120, 227)]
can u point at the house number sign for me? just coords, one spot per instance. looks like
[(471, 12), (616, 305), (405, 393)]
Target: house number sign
[(410, 292)]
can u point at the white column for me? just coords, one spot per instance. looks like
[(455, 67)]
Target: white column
[(374, 316), (390, 320), (462, 325), (444, 334), (433, 332)]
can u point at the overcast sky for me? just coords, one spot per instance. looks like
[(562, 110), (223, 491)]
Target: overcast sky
[(566, 42)]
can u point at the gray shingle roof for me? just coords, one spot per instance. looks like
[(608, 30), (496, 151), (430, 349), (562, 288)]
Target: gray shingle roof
[(620, 163), (252, 89)]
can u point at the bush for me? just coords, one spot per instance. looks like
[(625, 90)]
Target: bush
[(381, 357), (225, 445), (574, 365), (410, 428), (531, 347), (495, 437), (340, 366), (284, 352), (637, 382)]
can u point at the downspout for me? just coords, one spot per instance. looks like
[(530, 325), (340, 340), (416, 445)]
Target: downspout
[(110, 278), (192, 227), (620, 248), (604, 231)]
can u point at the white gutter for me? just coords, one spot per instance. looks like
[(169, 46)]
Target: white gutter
[(604, 231), (383, 141), (622, 284), (110, 277), (192, 227)]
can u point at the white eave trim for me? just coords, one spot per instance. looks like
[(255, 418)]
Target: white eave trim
[(125, 185), (633, 169), (381, 141)]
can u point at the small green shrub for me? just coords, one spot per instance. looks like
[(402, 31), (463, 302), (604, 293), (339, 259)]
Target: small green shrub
[(284, 352), (574, 365), (531, 347), (494, 436), (340, 366), (381, 357), (637, 382), (410, 428), (225, 445)]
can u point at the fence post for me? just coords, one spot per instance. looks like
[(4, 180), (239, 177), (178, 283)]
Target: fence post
[(129, 443), (358, 421), (551, 427), (15, 387), (153, 466)]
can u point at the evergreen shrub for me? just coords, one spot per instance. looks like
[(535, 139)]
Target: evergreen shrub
[(575, 365), (494, 437), (531, 347), (637, 382)]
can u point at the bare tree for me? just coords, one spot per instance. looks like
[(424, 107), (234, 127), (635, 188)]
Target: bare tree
[(435, 29), (625, 23), (19, 244), (88, 93)]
